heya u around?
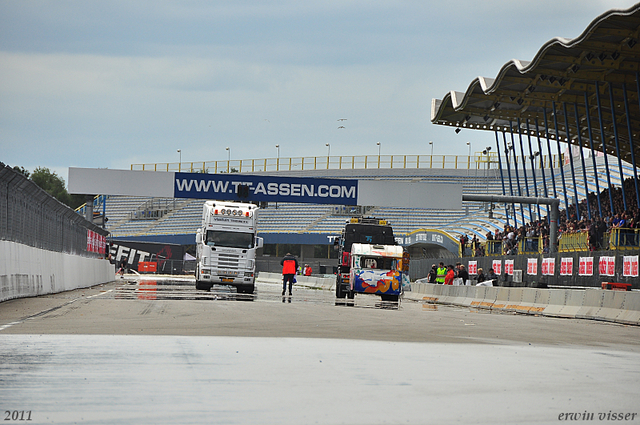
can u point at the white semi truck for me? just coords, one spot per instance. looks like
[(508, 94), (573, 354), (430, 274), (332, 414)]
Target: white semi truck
[(226, 246)]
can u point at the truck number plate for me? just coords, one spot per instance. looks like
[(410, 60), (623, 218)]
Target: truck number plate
[(226, 279)]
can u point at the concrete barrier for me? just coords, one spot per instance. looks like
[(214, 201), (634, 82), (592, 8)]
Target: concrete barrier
[(630, 314), (617, 306), (591, 304), (557, 300), (26, 271), (527, 301), (573, 303), (515, 299), (612, 304), (502, 299), (317, 282)]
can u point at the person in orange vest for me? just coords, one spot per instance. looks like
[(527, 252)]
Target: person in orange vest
[(289, 266), (307, 270), (448, 279)]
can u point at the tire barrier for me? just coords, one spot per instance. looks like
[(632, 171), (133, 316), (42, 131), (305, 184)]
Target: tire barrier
[(595, 304)]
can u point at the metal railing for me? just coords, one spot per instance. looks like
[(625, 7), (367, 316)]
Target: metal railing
[(624, 239), (458, 162)]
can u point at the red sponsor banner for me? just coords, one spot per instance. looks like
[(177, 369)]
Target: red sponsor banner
[(473, 267), (566, 266), (607, 266), (548, 266), (630, 266), (585, 267), (532, 266), (497, 267), (95, 242), (508, 267)]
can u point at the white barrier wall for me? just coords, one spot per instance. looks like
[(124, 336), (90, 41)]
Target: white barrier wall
[(26, 271), (597, 304)]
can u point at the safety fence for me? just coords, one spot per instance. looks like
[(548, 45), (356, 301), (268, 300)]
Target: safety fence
[(478, 161), (30, 216), (617, 239), (597, 304)]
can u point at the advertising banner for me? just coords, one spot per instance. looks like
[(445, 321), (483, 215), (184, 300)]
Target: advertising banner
[(497, 267), (585, 267), (532, 266), (566, 266), (548, 266), (607, 266), (235, 186), (508, 267), (630, 266), (473, 267)]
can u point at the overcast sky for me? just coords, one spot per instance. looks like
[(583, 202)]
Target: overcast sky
[(111, 83)]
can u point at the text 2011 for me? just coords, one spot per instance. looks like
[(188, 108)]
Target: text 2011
[(17, 415)]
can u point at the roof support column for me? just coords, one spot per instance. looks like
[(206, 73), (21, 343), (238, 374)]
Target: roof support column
[(504, 191), (515, 163), (630, 129), (524, 165), (573, 171), (544, 178), (604, 147), (615, 135), (584, 168), (506, 155), (564, 183), (546, 132), (593, 154), (533, 168)]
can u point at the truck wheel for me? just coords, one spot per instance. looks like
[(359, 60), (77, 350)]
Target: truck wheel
[(202, 286), (351, 295), (246, 289)]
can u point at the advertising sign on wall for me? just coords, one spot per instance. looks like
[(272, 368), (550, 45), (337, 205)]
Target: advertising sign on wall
[(532, 266), (585, 267), (630, 266), (548, 266), (497, 267), (473, 267), (607, 266), (508, 267), (566, 266)]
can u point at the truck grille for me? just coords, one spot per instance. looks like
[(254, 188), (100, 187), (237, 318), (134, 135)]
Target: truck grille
[(228, 261)]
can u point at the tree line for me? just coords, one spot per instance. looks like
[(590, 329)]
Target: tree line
[(53, 184)]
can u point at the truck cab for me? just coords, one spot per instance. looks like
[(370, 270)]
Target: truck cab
[(377, 269), (369, 230)]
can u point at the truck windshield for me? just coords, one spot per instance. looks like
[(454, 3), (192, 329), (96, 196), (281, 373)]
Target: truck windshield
[(230, 239), (383, 263)]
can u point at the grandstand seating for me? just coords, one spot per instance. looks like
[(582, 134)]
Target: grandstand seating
[(473, 219)]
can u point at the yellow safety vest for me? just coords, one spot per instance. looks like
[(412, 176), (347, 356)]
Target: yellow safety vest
[(442, 271)]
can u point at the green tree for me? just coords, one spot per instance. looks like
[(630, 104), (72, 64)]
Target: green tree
[(22, 170), (54, 185)]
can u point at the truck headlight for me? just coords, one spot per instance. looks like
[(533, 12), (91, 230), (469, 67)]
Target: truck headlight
[(248, 274)]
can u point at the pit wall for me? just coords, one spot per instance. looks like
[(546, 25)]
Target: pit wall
[(26, 271), (597, 304)]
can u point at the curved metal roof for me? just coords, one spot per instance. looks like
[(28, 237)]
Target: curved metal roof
[(563, 76)]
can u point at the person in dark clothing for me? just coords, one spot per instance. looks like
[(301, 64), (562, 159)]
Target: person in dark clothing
[(463, 274), (289, 266), (481, 277), (433, 274)]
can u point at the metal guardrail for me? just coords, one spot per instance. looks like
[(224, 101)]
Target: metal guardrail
[(624, 239), (458, 162)]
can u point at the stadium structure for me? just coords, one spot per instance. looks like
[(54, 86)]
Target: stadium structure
[(579, 98)]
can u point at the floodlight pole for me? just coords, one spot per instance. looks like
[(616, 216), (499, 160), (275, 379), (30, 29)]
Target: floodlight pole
[(553, 213)]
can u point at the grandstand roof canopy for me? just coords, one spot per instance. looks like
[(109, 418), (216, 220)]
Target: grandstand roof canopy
[(563, 75)]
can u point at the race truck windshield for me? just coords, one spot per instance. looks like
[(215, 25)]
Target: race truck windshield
[(377, 263), (229, 239)]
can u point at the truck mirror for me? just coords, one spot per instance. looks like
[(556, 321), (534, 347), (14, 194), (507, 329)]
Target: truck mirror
[(259, 242), (199, 236)]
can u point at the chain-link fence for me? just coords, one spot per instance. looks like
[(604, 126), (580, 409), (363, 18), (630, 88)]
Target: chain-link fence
[(30, 216)]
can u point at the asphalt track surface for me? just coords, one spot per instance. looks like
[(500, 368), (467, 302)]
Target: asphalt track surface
[(159, 351)]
